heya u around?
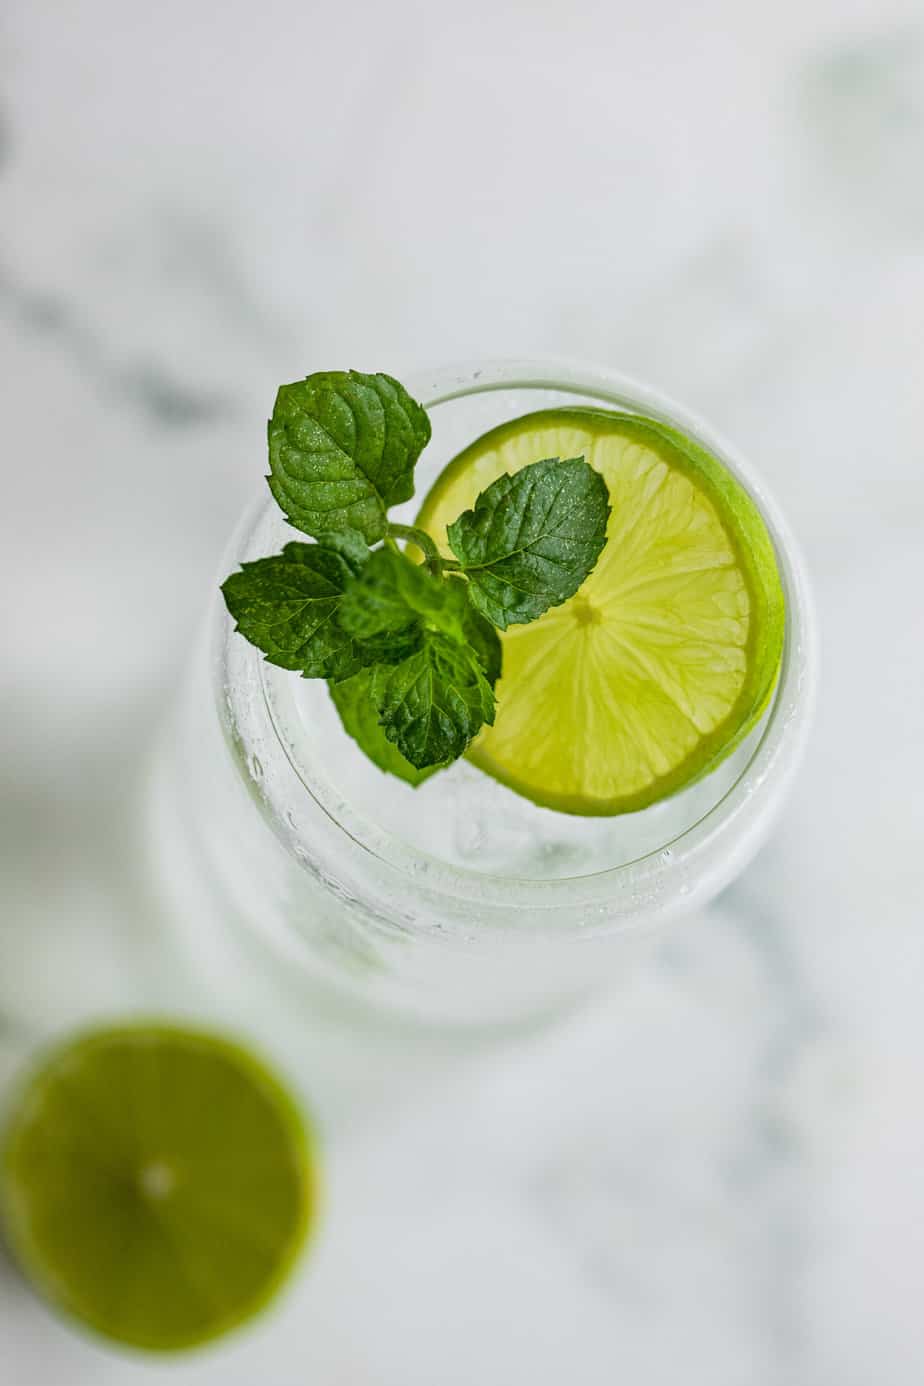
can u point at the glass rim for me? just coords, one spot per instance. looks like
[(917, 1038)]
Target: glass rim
[(705, 850)]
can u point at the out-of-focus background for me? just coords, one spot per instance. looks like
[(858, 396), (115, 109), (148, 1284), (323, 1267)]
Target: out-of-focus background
[(714, 1175)]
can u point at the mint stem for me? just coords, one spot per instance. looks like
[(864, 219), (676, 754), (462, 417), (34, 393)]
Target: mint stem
[(423, 541)]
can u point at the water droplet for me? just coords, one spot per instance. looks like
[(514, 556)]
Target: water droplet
[(256, 767)]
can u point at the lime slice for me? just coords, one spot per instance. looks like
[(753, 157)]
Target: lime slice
[(157, 1184), (669, 653)]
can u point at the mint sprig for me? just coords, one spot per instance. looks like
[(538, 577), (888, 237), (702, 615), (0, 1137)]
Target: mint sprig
[(393, 595), (410, 651)]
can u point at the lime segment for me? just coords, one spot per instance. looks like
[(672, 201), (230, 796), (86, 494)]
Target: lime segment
[(667, 656), (157, 1184)]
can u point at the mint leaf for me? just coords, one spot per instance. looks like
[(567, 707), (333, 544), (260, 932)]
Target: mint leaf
[(391, 593), (351, 547), (359, 714), (481, 636), (342, 449), (286, 606), (532, 538), (433, 703), (394, 594)]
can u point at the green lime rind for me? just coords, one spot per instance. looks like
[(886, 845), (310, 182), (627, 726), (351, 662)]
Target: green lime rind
[(169, 1274), (750, 538), (757, 557), (753, 547)]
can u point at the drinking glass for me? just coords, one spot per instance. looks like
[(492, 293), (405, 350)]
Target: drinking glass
[(458, 903)]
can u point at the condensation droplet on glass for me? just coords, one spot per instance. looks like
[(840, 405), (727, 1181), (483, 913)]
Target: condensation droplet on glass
[(256, 767)]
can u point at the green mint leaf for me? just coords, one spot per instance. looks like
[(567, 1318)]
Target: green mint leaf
[(351, 547), (532, 538), (287, 606), (390, 594), (393, 591), (394, 594), (433, 703), (480, 635), (342, 449), (359, 714)]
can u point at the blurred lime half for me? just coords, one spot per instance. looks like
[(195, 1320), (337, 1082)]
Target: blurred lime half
[(157, 1184)]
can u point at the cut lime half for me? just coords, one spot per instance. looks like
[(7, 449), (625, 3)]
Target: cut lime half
[(667, 656), (157, 1184)]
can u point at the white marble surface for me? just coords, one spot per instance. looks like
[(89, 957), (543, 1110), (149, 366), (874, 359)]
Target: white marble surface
[(715, 1175)]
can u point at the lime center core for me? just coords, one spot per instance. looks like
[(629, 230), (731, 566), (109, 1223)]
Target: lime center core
[(156, 1180), (585, 613)]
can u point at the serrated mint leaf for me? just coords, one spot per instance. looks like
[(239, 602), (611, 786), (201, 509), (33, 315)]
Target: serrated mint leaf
[(350, 545), (532, 538), (359, 714), (342, 448), (392, 591), (287, 606), (390, 594), (481, 636), (394, 594), (433, 703)]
